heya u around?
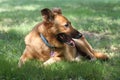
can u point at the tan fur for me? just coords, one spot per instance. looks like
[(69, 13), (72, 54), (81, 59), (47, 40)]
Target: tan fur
[(52, 24), (87, 49)]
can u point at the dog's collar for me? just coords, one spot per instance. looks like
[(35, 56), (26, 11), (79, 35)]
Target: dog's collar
[(48, 44)]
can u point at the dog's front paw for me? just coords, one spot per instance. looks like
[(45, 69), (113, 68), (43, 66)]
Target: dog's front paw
[(93, 59), (78, 58), (20, 63), (46, 64), (49, 62)]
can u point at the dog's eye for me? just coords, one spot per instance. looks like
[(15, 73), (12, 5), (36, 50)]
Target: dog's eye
[(66, 25)]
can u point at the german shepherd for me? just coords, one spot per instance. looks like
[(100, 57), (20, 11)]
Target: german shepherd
[(52, 40)]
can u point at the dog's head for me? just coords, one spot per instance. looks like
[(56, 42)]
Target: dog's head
[(59, 23)]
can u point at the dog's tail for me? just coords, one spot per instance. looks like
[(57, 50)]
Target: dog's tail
[(101, 56)]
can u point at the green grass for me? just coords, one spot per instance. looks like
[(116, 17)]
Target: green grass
[(100, 19)]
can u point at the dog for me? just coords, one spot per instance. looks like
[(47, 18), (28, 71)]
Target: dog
[(54, 39)]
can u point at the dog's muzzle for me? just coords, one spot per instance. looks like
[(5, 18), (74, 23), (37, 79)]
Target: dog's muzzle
[(64, 38), (76, 34)]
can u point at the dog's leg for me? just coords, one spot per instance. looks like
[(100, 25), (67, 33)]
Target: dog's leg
[(52, 60), (81, 44), (87, 44), (25, 56)]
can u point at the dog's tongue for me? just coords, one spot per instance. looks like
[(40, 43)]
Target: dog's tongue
[(71, 43)]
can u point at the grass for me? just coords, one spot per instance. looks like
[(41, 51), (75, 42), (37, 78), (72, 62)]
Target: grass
[(100, 19)]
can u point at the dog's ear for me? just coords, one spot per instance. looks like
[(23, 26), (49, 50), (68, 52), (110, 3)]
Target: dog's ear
[(56, 11), (47, 14)]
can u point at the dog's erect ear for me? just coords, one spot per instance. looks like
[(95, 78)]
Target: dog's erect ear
[(47, 14), (56, 11)]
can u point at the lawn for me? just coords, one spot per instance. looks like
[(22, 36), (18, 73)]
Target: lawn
[(99, 20)]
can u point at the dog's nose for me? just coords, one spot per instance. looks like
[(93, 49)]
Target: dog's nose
[(78, 36)]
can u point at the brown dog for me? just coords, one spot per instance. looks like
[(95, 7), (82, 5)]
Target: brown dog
[(42, 42)]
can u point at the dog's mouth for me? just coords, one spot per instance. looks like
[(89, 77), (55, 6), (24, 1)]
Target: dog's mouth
[(64, 38)]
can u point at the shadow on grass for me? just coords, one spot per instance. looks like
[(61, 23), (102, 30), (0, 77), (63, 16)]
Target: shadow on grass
[(11, 44), (10, 71), (60, 71)]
